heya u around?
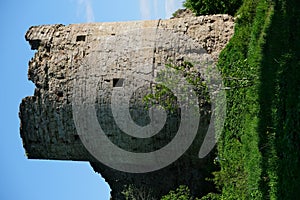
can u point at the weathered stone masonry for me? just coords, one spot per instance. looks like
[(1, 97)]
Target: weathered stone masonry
[(47, 126)]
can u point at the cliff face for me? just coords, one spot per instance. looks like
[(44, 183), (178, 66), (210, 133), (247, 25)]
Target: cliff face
[(114, 54)]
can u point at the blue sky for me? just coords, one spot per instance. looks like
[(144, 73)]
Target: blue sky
[(23, 179)]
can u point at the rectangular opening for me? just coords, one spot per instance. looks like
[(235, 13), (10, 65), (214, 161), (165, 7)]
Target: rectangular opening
[(76, 137), (118, 82), (34, 44), (80, 38)]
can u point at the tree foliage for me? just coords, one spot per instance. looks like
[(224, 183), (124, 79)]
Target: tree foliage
[(181, 193), (206, 7)]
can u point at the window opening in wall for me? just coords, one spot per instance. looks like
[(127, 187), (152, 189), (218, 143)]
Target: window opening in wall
[(80, 38), (118, 82), (76, 137)]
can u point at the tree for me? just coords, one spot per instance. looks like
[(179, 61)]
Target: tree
[(206, 7)]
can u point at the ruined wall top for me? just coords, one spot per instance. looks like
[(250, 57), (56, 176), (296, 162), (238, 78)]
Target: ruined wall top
[(212, 31)]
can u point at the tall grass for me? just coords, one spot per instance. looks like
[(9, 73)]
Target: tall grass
[(260, 147)]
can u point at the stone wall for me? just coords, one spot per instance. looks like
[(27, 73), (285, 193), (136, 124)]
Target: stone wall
[(47, 124)]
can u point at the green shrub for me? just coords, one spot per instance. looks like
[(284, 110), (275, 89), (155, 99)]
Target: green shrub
[(211, 196), (133, 193), (181, 193), (164, 97), (206, 7)]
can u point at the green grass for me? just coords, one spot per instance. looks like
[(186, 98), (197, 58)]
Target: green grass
[(259, 148), (279, 126), (238, 147)]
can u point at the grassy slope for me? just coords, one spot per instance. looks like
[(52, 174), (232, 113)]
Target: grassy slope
[(280, 104), (259, 149), (239, 62)]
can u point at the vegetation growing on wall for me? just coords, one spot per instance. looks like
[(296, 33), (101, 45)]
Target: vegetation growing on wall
[(164, 97)]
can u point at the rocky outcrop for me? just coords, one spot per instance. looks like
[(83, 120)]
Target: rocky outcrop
[(48, 129)]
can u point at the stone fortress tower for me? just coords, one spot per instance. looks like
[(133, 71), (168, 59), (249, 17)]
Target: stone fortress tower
[(116, 55)]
